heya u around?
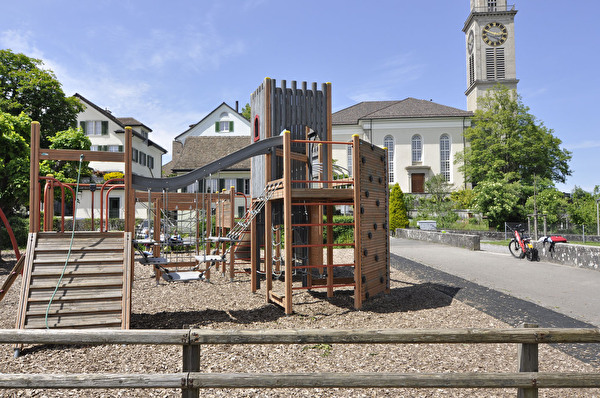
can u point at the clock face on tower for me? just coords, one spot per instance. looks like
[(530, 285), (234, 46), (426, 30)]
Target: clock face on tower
[(494, 34), (470, 42)]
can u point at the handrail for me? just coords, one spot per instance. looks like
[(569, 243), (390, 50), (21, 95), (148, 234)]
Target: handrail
[(527, 380), (302, 336)]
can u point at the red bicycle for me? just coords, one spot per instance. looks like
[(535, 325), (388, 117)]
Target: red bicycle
[(520, 246)]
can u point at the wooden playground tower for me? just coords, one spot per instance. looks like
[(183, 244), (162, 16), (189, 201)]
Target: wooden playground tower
[(298, 187), (293, 189)]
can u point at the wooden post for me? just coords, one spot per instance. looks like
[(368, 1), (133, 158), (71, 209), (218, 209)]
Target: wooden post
[(191, 363), (129, 191), (156, 235), (231, 226), (254, 257), (34, 171), (268, 250), (528, 362), (287, 218), (357, 217)]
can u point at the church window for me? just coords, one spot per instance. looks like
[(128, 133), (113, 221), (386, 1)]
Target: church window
[(492, 5), (417, 149), (388, 142), (445, 156), (471, 69)]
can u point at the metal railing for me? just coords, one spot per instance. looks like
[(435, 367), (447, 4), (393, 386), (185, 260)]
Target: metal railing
[(528, 380)]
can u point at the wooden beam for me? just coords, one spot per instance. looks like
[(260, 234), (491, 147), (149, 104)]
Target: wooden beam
[(74, 155), (34, 172)]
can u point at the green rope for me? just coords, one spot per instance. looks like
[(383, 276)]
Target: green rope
[(70, 244)]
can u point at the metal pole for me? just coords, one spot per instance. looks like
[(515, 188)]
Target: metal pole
[(597, 218)]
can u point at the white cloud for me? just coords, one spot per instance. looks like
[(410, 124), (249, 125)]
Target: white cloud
[(588, 144)]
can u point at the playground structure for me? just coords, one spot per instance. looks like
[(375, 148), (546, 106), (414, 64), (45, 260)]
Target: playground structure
[(84, 279)]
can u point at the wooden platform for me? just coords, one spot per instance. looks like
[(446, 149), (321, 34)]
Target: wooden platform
[(93, 291)]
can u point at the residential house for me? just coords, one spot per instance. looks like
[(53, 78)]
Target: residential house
[(107, 133), (221, 132)]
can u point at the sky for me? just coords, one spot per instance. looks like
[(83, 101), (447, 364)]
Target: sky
[(170, 63)]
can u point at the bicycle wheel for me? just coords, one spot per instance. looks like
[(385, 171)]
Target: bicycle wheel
[(515, 249)]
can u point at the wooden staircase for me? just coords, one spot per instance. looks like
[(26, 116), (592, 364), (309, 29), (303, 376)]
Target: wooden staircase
[(95, 289)]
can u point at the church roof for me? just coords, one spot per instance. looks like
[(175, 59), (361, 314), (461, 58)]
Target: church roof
[(407, 108), (198, 151)]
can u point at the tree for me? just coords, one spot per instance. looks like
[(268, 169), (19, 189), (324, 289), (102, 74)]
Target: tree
[(14, 161), (507, 143), (26, 87), (67, 171), (438, 204), (398, 212), (582, 209), (500, 201), (549, 201), (247, 112)]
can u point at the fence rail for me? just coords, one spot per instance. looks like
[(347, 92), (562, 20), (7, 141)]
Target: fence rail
[(527, 380)]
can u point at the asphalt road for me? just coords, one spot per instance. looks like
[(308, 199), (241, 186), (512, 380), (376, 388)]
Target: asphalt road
[(511, 290)]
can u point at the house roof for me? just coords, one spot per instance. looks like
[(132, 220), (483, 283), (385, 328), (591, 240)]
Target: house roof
[(121, 121), (407, 108), (198, 151), (206, 117)]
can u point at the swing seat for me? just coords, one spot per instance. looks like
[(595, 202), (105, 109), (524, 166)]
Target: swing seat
[(182, 276), (204, 258), (222, 239), (149, 260)]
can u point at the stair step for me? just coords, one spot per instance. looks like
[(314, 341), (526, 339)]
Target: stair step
[(54, 269), (75, 282), (74, 321), (76, 294)]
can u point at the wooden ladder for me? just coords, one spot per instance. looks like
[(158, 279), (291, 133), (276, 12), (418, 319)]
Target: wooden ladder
[(92, 291)]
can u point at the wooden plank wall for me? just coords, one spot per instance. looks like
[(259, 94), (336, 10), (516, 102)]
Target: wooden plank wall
[(373, 233)]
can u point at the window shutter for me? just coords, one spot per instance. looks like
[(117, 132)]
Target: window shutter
[(231, 127), (120, 148), (216, 127), (104, 127), (239, 185), (82, 125)]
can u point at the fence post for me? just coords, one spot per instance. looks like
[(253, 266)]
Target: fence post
[(191, 363), (528, 362)]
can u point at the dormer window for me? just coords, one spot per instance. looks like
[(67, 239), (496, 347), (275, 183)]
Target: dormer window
[(224, 127)]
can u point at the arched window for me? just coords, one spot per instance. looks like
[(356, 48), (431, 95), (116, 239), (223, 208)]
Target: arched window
[(388, 142), (417, 149), (445, 156)]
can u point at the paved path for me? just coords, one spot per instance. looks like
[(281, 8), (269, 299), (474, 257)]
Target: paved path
[(571, 291), (511, 290)]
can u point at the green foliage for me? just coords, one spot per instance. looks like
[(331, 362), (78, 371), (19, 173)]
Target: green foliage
[(500, 201), (437, 204), (247, 112), (507, 143), (341, 233), (582, 209), (463, 199), (26, 87), (14, 162), (66, 171), (113, 174), (398, 213), (20, 227), (549, 201)]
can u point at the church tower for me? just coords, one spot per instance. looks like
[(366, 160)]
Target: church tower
[(490, 41)]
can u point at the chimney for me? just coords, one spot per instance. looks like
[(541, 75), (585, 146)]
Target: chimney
[(237, 105)]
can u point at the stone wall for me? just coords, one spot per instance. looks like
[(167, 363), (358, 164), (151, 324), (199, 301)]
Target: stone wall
[(574, 255), (470, 242)]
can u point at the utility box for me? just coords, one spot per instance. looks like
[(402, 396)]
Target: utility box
[(427, 225)]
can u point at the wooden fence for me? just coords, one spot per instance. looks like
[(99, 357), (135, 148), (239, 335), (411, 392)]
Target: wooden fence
[(528, 380)]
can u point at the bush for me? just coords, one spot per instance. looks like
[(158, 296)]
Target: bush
[(341, 233), (20, 226), (398, 212)]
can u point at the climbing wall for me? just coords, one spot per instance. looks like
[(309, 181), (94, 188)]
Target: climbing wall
[(373, 235), (93, 291)]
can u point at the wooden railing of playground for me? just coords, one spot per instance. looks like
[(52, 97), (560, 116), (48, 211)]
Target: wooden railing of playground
[(528, 380)]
